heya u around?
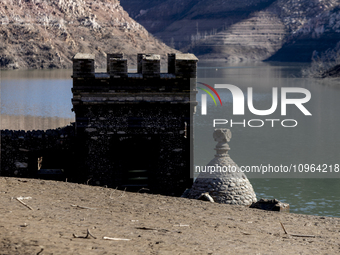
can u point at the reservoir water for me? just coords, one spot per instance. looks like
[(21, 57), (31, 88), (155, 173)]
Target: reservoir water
[(41, 99), (35, 99)]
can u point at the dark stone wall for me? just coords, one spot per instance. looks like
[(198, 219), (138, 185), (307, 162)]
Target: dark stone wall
[(138, 146), (20, 151)]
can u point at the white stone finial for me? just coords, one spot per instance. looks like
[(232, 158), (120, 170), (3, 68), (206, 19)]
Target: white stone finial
[(222, 136)]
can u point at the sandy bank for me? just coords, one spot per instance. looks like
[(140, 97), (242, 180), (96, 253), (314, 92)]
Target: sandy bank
[(154, 224)]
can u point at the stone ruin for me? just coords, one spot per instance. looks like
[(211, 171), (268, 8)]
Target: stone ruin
[(134, 130), (228, 186)]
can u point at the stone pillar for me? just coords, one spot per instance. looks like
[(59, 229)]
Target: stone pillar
[(112, 55), (151, 66), (186, 66), (83, 65), (118, 68), (227, 184)]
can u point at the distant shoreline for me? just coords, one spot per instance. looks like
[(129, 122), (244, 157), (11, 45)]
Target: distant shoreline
[(28, 122)]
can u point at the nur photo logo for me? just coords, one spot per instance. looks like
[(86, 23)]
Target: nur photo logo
[(239, 101)]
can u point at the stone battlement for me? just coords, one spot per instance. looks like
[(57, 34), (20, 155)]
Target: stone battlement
[(148, 66), (118, 87)]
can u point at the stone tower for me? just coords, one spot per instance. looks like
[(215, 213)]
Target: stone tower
[(134, 130), (226, 184)]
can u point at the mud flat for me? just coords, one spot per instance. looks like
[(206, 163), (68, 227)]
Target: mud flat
[(54, 216)]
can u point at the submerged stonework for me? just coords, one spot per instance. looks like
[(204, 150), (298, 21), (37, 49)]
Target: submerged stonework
[(226, 187), (134, 130), (31, 153)]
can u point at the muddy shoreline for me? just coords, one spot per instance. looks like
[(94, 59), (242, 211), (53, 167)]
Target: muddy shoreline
[(154, 224)]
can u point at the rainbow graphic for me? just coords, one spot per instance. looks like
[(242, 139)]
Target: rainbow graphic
[(209, 93), (204, 97)]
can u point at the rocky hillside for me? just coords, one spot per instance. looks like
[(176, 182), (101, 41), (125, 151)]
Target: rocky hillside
[(316, 36), (47, 33), (236, 30), (255, 38)]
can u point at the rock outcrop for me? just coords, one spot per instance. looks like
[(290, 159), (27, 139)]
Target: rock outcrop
[(239, 30), (271, 205), (46, 34), (253, 39), (320, 33), (332, 72)]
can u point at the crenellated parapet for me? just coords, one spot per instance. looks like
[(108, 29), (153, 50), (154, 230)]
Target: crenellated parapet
[(147, 85), (148, 66)]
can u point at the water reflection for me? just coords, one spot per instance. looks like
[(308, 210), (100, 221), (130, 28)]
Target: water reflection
[(314, 141), (52, 74), (38, 93), (306, 196)]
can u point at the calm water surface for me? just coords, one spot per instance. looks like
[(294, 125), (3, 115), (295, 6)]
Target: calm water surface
[(35, 99), (42, 99), (315, 140)]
